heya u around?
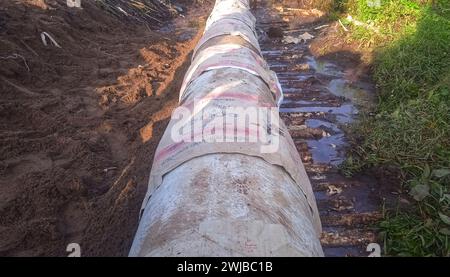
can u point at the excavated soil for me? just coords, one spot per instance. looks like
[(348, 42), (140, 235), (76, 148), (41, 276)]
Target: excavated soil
[(79, 124)]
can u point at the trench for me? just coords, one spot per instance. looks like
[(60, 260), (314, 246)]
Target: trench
[(319, 105)]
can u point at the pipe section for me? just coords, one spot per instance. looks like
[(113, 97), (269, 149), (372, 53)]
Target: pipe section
[(227, 179)]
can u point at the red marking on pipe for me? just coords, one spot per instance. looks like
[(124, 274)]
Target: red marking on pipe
[(230, 95), (167, 150)]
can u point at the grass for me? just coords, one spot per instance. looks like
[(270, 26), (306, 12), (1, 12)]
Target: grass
[(384, 23), (411, 129)]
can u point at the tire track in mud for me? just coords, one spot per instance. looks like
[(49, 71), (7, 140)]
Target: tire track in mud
[(319, 103)]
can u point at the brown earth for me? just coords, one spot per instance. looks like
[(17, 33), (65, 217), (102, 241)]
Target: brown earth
[(79, 124)]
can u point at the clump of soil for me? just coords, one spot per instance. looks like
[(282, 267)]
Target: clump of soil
[(79, 124)]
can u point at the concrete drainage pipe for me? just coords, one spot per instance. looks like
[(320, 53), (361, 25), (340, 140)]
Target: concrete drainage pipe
[(227, 179)]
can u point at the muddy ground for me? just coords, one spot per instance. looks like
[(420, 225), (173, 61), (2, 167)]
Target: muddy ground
[(79, 124), (327, 86)]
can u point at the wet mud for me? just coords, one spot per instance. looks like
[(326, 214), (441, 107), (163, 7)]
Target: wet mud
[(321, 101)]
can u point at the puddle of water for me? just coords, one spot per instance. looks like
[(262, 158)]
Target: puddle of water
[(272, 52), (344, 114), (324, 150), (324, 68), (276, 66), (342, 88), (288, 102), (287, 79), (317, 123)]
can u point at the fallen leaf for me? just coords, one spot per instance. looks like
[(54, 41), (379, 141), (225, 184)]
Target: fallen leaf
[(444, 218), (440, 173), (419, 192), (296, 40), (445, 231)]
